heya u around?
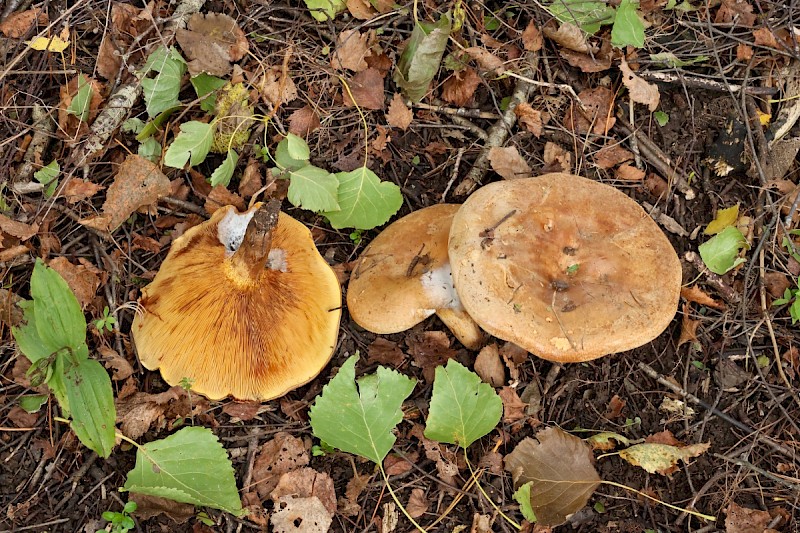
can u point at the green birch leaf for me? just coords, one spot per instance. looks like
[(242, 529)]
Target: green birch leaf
[(364, 200), (48, 176), (189, 466), (628, 28), (82, 100), (205, 85), (419, 61), (91, 402), (463, 408), (192, 144), (161, 90), (313, 188), (720, 253), (292, 152), (150, 149), (323, 10), (222, 174), (360, 421)]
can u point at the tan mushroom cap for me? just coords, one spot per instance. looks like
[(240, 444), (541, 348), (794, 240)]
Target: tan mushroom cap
[(565, 267), (249, 337), (403, 277)]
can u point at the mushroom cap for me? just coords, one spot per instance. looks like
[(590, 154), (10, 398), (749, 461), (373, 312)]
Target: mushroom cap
[(252, 339), (403, 276), (565, 267)]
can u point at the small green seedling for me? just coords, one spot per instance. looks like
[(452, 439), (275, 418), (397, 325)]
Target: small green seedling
[(106, 321), (791, 296), (120, 522)]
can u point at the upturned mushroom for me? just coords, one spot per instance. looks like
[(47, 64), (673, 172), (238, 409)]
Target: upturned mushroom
[(568, 268), (403, 277), (242, 306)]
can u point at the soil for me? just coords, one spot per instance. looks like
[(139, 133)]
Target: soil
[(739, 352)]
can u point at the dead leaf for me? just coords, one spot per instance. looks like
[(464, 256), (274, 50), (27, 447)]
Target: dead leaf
[(445, 465), (70, 125), (639, 90), (489, 366), (243, 411), (688, 326), (306, 482), (615, 407), (532, 39), (221, 196), (361, 9), (304, 121), (127, 23), (558, 464), (385, 352), (569, 36), (661, 458), (17, 25), (366, 88), (486, 60), (212, 42), (597, 116), (530, 118), (737, 12), (352, 49), (459, 88), (349, 506), (150, 506), (140, 411), (15, 228), (83, 279), (556, 159), (663, 437), (629, 173), (776, 283), (513, 407), (148, 244), (113, 360), (394, 465), (78, 189), (697, 295), (481, 523), (21, 418), (509, 163), (744, 520), (274, 88), (430, 349), (611, 156), (399, 115), (764, 37), (744, 52), (417, 503), (593, 61), (138, 183), (276, 457)]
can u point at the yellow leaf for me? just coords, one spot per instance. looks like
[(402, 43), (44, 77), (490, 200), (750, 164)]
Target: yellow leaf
[(54, 44), (661, 458), (764, 118), (725, 217)]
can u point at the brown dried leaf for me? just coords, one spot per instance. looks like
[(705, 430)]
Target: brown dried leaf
[(385, 352), (558, 464), (661, 458), (361, 9), (139, 411), (127, 23), (304, 121), (489, 366), (697, 295), (556, 159), (417, 503), (243, 411), (430, 349), (513, 407), (221, 196), (15, 228), (349, 506), (663, 437), (21, 418), (639, 90), (530, 118), (569, 36), (83, 279), (138, 183), (300, 515), (150, 506), (17, 25), (459, 88), (394, 465), (211, 43), (486, 60), (736, 12), (615, 407), (78, 189), (744, 52), (688, 326), (509, 163), (113, 360), (274, 88), (596, 61), (366, 88), (278, 456), (399, 115), (764, 37), (744, 520), (597, 117), (629, 173), (352, 49), (532, 39), (306, 482), (611, 156), (71, 126)]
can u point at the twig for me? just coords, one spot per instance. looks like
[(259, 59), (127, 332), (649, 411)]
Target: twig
[(439, 107), (741, 462), (727, 292), (454, 174), (703, 83)]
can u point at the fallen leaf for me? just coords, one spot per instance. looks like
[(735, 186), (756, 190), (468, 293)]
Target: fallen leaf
[(556, 159), (15, 228), (561, 468), (489, 366), (606, 440), (445, 464), (744, 52), (140, 411), (430, 349), (112, 359), (361, 9), (661, 458), (615, 407), (17, 25), (212, 42), (127, 23), (676, 407), (242, 411), (417, 503), (352, 49), (597, 116), (459, 88), (486, 60), (77, 190), (72, 125), (688, 326), (530, 118), (366, 88), (222, 196), (303, 122), (385, 352), (611, 156), (629, 173), (513, 407), (764, 37), (394, 465), (569, 36), (138, 183), (83, 279), (21, 418), (276, 457), (306, 482), (737, 12), (592, 61), (399, 115), (639, 90), (150, 506), (532, 39), (744, 520), (349, 506), (663, 437), (697, 295), (148, 244), (509, 163)]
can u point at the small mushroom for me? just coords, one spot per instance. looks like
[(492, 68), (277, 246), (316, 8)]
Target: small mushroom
[(243, 306), (565, 267), (403, 277)]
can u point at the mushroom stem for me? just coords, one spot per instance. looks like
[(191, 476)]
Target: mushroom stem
[(462, 326), (251, 257)]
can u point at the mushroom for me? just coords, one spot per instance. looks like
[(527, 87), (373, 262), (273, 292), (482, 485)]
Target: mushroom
[(403, 277), (565, 267), (243, 306)]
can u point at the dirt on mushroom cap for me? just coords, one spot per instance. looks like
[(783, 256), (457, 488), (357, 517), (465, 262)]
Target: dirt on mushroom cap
[(566, 267)]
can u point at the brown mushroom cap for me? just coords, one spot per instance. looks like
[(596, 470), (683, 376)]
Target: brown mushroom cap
[(250, 337), (403, 277), (565, 267)]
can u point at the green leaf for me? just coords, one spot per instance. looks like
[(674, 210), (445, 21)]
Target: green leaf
[(361, 421), (463, 408), (91, 403), (33, 402), (161, 91), (150, 149), (190, 466), (794, 311), (419, 61), (47, 176), (313, 188), (59, 320), (292, 152), (661, 118), (133, 125), (323, 10), (364, 200), (720, 253), (192, 144), (222, 174), (82, 99), (628, 28), (204, 85), (523, 496), (588, 16)]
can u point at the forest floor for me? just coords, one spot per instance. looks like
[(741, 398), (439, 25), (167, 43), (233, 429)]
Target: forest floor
[(697, 119)]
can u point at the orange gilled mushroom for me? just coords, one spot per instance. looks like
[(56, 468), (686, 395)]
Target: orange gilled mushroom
[(243, 306), (403, 277), (568, 268)]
